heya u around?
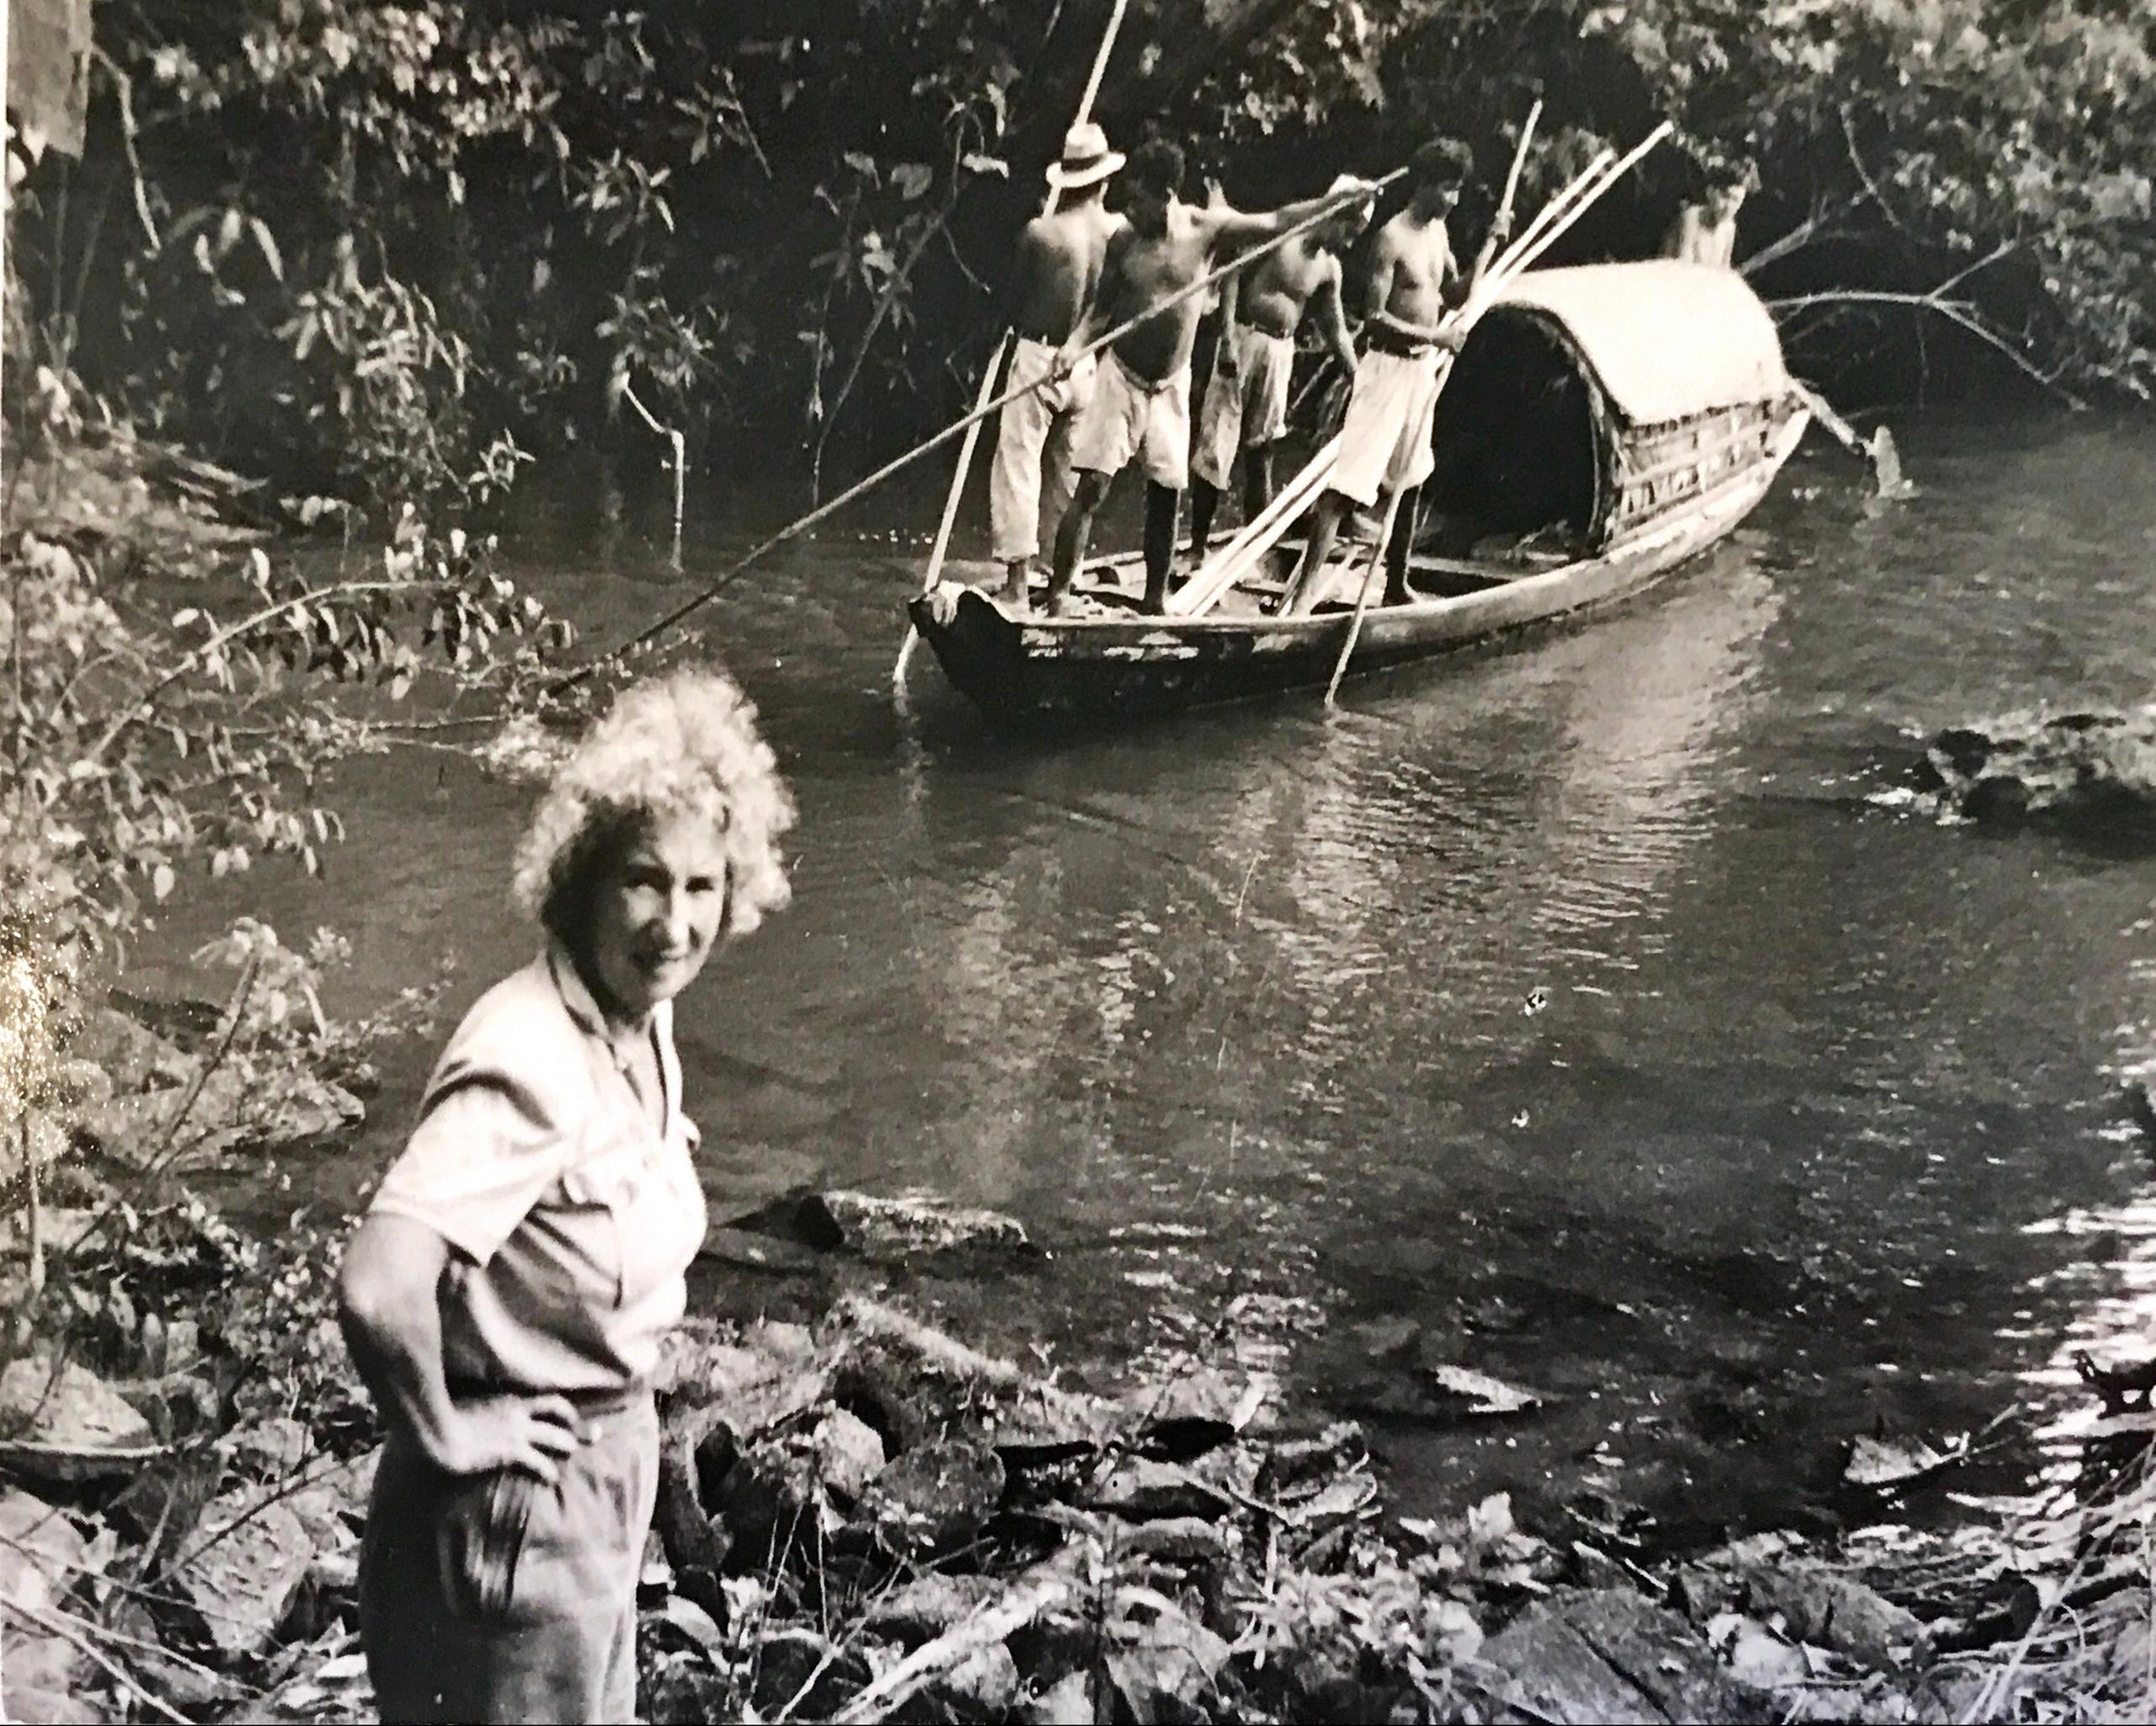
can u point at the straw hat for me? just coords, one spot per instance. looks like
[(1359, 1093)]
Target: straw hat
[(1086, 159)]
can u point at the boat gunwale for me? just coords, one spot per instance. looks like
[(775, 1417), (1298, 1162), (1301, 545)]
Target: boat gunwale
[(1501, 579)]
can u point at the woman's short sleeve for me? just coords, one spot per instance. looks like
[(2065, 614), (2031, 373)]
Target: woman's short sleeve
[(484, 1152)]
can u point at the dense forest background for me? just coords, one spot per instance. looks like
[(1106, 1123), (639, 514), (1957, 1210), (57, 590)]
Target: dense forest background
[(384, 250)]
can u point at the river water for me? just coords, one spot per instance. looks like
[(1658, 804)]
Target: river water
[(1596, 1005)]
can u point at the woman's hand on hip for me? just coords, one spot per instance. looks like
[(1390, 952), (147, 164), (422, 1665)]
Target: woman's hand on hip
[(507, 1430)]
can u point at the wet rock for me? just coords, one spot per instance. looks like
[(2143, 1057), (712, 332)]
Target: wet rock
[(1197, 1411), (935, 1497), (60, 1422), (982, 1686), (1611, 1655), (1068, 1701), (893, 1229), (849, 1453), (769, 1501), (800, 1672), (1474, 1395), (1300, 1465), (41, 1556), (1881, 1464), (244, 1568), (929, 1606), (1165, 1667), (1033, 1430), (1142, 1490), (1818, 1605)]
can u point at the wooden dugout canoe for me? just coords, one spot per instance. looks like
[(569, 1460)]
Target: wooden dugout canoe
[(1634, 413)]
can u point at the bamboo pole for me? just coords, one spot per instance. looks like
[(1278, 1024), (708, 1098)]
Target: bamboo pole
[(1363, 599), (801, 524), (936, 552), (1221, 573), (1505, 204)]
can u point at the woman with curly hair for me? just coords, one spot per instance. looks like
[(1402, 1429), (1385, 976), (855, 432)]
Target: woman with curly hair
[(507, 1292)]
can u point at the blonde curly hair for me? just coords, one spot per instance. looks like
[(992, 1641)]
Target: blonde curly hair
[(683, 744)]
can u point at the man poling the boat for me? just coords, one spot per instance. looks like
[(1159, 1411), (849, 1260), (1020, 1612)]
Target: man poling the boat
[(1055, 278), (1385, 442), (1140, 405), (1245, 409)]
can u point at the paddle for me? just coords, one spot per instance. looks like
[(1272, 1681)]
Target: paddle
[(995, 368)]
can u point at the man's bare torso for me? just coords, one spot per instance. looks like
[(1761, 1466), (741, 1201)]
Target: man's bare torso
[(1280, 285), (1064, 255), (1421, 256), (1143, 271)]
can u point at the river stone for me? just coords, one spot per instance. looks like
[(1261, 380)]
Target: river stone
[(1818, 1605), (928, 1606), (1609, 1654), (1197, 1410), (64, 1423), (982, 1686), (1144, 1491), (849, 1454), (244, 1566), (1165, 1667), (937, 1496), (895, 1228), (42, 1674)]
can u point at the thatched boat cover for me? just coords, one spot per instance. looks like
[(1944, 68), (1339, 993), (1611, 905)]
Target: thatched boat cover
[(1665, 340)]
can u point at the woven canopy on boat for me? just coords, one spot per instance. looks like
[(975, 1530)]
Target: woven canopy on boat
[(1666, 339)]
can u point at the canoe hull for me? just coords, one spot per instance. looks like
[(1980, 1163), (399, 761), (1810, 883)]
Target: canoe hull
[(1065, 673)]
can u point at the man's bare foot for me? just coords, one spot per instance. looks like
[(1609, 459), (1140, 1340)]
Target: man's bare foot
[(1399, 593), (1057, 603)]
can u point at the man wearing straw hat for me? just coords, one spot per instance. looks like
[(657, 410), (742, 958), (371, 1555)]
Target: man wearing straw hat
[(1385, 442), (1140, 407), (1057, 276), (1245, 406)]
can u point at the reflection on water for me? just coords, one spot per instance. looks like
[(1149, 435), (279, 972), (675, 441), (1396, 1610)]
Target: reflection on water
[(1571, 1001)]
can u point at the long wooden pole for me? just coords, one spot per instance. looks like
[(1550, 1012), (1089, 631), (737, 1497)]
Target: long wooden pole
[(800, 524), (1362, 600), (1505, 204), (936, 553), (1205, 588)]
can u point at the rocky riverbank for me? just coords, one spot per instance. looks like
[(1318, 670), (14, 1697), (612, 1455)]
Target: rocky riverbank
[(861, 1517)]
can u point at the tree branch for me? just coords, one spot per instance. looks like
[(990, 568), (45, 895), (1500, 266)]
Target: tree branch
[(1954, 311)]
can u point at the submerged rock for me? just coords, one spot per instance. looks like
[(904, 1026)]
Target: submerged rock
[(892, 1229), (2092, 774)]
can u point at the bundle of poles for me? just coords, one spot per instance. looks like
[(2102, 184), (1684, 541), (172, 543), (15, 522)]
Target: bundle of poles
[(1550, 222)]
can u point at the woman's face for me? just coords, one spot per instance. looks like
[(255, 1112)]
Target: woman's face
[(656, 914)]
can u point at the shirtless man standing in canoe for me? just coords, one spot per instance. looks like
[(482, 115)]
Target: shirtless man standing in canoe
[(1245, 405), (1140, 404), (1054, 281), (1385, 442), (1706, 233)]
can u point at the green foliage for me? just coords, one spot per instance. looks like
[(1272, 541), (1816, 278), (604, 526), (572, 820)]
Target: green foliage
[(144, 739), (369, 240)]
